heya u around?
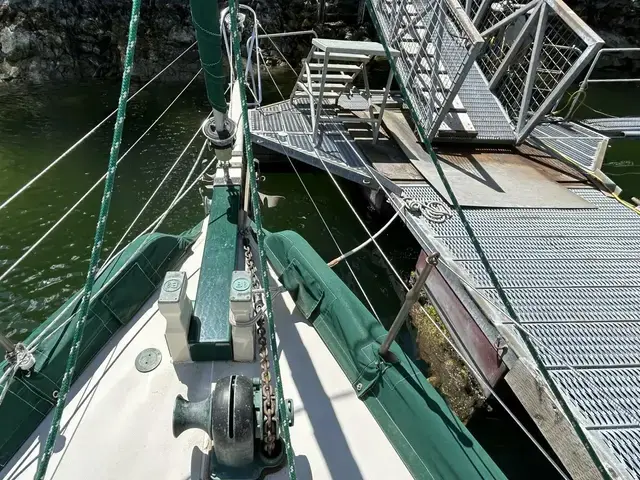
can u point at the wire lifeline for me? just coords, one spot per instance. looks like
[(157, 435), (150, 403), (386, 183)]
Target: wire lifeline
[(485, 262), (97, 245), (152, 196), (5, 390), (71, 209), (326, 226), (90, 132), (151, 228), (264, 267), (51, 328)]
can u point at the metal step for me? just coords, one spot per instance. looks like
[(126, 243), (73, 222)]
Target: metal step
[(443, 84), (425, 66), (329, 76), (336, 67), (615, 126), (412, 47), (301, 94), (340, 154), (327, 86), (339, 119), (345, 57)]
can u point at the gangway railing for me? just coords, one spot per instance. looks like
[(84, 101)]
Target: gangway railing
[(578, 97), (533, 53), (438, 44)]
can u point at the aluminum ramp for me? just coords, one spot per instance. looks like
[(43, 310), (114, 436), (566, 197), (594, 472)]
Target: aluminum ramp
[(615, 126), (285, 128), (581, 145), (573, 278)]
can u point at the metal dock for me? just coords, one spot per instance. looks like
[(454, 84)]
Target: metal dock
[(548, 297), (573, 279), (615, 127)]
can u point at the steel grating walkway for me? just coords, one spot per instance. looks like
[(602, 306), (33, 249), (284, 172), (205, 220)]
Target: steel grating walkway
[(575, 142), (488, 117), (573, 277), (615, 126), (285, 128)]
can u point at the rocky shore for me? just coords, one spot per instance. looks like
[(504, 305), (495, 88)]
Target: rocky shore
[(52, 40)]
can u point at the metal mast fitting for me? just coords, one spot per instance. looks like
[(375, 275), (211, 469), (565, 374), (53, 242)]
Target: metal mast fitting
[(17, 354)]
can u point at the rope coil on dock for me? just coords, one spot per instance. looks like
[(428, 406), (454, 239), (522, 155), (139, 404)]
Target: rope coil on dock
[(434, 211)]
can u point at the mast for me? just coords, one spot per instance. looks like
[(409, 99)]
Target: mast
[(206, 22)]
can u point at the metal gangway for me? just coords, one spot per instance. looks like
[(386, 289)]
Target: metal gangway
[(541, 272), (556, 284)]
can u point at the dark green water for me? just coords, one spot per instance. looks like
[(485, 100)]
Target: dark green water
[(38, 124), (622, 163), (35, 127)]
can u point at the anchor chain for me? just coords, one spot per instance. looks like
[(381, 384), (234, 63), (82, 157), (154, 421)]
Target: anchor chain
[(268, 395)]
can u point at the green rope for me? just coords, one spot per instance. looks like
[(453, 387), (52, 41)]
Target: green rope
[(96, 249), (484, 260), (255, 200)]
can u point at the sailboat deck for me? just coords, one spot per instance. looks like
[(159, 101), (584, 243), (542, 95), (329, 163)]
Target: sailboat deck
[(117, 423)]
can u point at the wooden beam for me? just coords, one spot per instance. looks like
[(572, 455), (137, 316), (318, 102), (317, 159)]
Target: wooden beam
[(466, 333), (556, 428)]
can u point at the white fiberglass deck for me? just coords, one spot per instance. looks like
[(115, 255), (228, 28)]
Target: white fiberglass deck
[(117, 424)]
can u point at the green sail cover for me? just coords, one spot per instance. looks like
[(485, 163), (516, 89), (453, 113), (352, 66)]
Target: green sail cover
[(30, 399), (427, 435), (206, 22)]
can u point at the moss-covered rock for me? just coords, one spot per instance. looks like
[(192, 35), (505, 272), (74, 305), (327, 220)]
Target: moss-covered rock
[(445, 370), (45, 40)]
